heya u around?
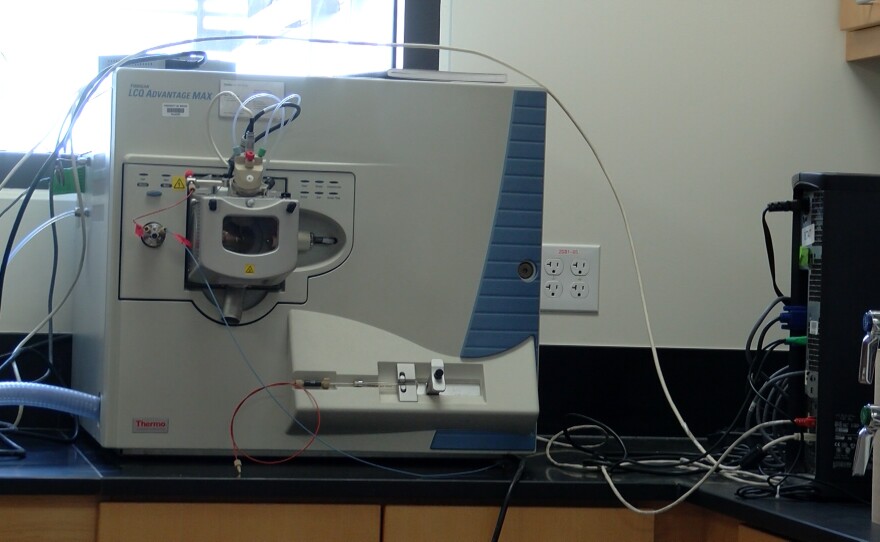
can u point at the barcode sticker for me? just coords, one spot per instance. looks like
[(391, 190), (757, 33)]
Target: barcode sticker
[(808, 235), (175, 110)]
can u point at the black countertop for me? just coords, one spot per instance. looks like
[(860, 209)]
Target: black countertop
[(798, 520), (84, 469)]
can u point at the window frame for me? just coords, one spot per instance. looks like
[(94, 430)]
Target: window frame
[(421, 25)]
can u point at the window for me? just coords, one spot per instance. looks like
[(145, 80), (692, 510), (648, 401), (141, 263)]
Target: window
[(49, 49)]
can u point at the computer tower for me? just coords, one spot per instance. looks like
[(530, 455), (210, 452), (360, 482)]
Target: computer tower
[(836, 276)]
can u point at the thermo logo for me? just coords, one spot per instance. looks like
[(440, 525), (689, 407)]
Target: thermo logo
[(149, 425)]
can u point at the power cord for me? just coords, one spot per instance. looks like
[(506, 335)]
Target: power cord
[(505, 504), (774, 207)]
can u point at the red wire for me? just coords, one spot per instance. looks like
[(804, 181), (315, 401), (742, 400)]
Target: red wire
[(236, 450), (138, 228)]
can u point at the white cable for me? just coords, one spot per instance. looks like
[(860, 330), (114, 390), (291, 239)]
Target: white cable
[(550, 93), (583, 135), (629, 236), (29, 237), (12, 203), (780, 440), (732, 472), (18, 164), (573, 466), (22, 160), (570, 429), (208, 120), (282, 130), (20, 411), (697, 485), (82, 258), (552, 441), (276, 99), (728, 471), (280, 105)]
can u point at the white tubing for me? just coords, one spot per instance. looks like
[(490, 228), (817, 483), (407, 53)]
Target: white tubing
[(52, 397), (40, 228)]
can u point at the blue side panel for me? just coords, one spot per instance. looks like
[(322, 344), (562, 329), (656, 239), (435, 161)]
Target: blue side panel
[(482, 441), (507, 308)]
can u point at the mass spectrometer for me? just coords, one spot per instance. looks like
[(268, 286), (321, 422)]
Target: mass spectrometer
[(379, 250)]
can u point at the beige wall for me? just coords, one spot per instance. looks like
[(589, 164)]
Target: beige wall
[(702, 112)]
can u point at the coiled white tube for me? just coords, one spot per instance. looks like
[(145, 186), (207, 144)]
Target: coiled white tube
[(52, 397)]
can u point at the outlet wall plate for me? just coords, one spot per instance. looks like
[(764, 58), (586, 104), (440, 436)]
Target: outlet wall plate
[(570, 278)]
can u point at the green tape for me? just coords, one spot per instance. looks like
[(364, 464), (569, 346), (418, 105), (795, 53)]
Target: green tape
[(804, 258), (63, 183)]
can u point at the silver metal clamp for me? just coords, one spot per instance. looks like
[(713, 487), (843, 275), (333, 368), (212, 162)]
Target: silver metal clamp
[(870, 417), (868, 355)]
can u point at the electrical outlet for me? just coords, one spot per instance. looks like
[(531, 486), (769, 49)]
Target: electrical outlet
[(552, 288), (570, 278), (553, 266)]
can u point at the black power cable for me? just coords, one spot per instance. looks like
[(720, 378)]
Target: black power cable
[(505, 504), (774, 207), (54, 276), (250, 127)]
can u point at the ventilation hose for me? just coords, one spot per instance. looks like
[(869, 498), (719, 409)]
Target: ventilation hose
[(66, 400)]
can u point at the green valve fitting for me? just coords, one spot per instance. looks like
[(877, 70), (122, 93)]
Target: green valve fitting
[(262, 152), (804, 257), (865, 415)]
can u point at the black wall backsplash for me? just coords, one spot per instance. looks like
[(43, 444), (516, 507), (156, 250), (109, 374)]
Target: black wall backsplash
[(619, 387)]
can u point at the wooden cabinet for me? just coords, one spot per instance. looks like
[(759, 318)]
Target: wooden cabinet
[(84, 519), (688, 523), (685, 523), (444, 523), (862, 26), (135, 522), (27, 518)]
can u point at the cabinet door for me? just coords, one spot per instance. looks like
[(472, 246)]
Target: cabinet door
[(747, 534), (522, 524), (31, 518), (135, 522), (854, 16), (862, 26)]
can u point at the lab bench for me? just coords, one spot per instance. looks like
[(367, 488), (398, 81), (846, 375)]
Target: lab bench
[(79, 492)]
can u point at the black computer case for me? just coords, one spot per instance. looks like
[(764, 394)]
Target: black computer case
[(836, 275)]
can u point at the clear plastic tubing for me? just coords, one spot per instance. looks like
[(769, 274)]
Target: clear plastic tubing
[(295, 99), (243, 105), (38, 229), (33, 394)]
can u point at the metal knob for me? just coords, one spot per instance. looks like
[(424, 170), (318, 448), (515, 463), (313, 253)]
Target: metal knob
[(870, 417), (868, 355), (153, 234), (437, 379)]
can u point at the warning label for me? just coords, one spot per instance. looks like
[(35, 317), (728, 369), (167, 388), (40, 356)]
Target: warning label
[(249, 269), (177, 183)]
